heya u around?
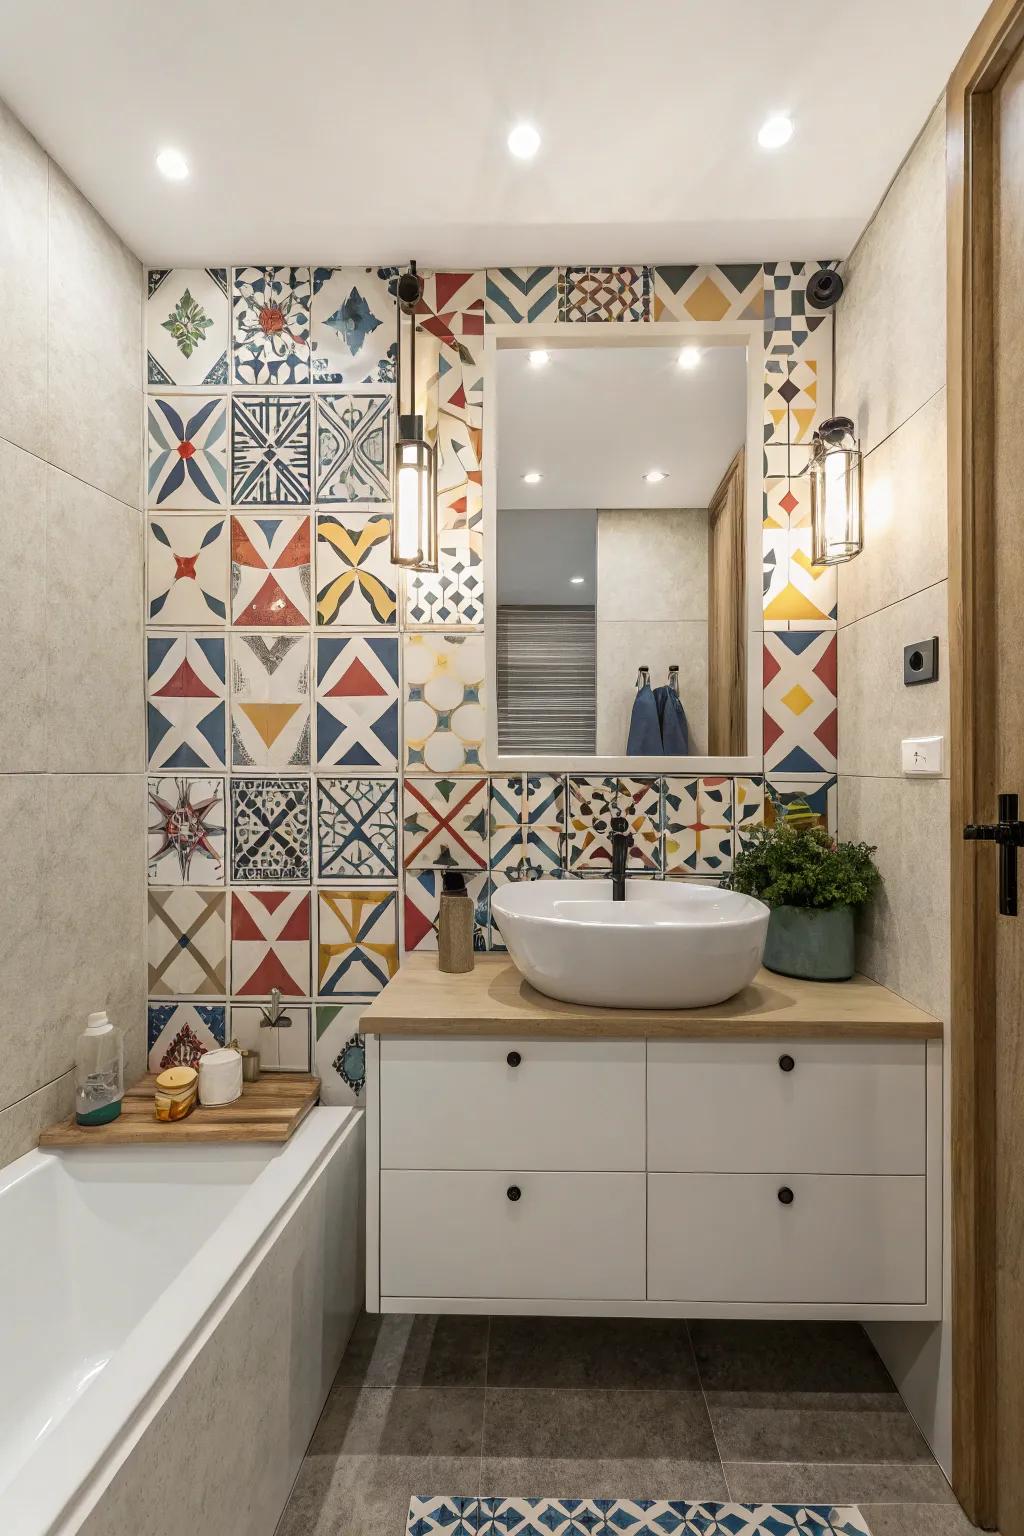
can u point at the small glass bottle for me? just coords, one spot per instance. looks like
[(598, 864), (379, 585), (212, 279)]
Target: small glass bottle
[(99, 1072)]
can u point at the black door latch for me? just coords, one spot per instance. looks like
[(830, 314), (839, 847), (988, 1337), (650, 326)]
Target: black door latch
[(1008, 834)]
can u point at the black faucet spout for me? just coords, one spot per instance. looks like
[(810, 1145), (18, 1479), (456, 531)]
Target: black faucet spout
[(621, 844)]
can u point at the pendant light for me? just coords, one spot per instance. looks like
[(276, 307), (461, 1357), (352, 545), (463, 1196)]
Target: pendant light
[(835, 469), (414, 521)]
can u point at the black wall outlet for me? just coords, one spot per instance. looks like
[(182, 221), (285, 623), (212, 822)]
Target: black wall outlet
[(921, 662)]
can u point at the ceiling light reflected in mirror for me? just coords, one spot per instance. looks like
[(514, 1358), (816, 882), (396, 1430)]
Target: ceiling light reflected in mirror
[(172, 164), (524, 141), (775, 131)]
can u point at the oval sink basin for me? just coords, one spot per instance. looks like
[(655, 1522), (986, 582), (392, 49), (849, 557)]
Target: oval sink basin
[(668, 945)]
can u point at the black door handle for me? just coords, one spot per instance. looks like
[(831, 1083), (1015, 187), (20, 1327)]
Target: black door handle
[(513, 1058), (514, 1192), (785, 1195), (786, 1063)]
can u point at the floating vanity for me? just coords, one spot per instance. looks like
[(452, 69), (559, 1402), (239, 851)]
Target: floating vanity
[(776, 1155)]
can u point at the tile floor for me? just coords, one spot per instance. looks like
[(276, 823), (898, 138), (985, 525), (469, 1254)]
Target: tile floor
[(604, 1407)]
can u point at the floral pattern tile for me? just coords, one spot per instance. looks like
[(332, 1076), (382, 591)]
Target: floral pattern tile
[(187, 445), (358, 941), (283, 1038), (271, 325), (187, 327), (270, 571), (270, 450), (270, 701), (186, 570), (180, 1034), (443, 717), (698, 825), (270, 942), (357, 829), (187, 831), (354, 447), (591, 804), (271, 830), (340, 1051), (421, 908), (354, 325), (187, 943), (186, 709), (445, 823), (357, 701), (356, 584)]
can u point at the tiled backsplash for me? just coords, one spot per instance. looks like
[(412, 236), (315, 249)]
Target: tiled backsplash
[(316, 718)]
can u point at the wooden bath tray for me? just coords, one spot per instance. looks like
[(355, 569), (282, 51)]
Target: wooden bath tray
[(269, 1110)]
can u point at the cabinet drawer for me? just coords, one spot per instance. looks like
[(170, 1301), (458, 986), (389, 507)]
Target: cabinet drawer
[(724, 1237), (843, 1107), (460, 1104), (458, 1234)]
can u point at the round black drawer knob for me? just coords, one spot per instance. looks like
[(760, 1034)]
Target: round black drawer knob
[(513, 1058), (785, 1195), (786, 1063), (515, 1193)]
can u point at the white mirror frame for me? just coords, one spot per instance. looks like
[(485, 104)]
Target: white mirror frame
[(750, 333)]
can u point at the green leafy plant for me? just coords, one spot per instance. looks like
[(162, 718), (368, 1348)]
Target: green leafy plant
[(792, 865)]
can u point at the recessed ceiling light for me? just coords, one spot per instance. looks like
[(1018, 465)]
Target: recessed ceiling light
[(655, 476), (524, 141), (172, 164), (775, 131), (539, 358), (532, 477), (577, 581), (689, 357)]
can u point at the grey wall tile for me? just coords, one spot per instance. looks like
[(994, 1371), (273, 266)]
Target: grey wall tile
[(23, 193), (21, 1123), (27, 1064), (22, 629)]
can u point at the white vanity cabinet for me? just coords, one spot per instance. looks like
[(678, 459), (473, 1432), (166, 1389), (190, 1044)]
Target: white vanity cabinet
[(642, 1174)]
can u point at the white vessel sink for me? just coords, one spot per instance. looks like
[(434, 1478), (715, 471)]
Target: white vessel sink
[(668, 945)]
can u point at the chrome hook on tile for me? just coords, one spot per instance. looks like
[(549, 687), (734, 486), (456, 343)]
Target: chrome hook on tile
[(273, 1015)]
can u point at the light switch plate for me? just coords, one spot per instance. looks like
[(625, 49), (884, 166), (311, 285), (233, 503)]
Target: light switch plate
[(922, 755)]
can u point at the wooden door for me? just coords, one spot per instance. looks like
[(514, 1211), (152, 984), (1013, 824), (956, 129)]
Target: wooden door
[(727, 616)]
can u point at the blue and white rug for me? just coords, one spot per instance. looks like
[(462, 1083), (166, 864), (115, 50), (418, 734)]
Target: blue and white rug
[(452, 1515)]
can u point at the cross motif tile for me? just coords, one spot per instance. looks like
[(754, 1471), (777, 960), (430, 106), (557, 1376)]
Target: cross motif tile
[(421, 907), (271, 836), (186, 573), (698, 825), (358, 941), (270, 450), (187, 943), (445, 823), (357, 829), (187, 442), (185, 700), (357, 701)]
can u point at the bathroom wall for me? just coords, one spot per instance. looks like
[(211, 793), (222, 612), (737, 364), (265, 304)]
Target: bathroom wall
[(652, 608), (890, 376), (72, 757)]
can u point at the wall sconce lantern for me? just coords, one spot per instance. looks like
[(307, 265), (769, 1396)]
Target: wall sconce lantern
[(835, 470), (414, 521)]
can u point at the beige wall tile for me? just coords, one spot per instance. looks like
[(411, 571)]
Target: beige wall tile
[(23, 628), (25, 1018), (23, 193), (21, 1123), (876, 709), (652, 565), (95, 719), (904, 516), (622, 646), (891, 321)]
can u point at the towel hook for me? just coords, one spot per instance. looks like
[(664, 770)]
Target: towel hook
[(673, 678), (643, 678)]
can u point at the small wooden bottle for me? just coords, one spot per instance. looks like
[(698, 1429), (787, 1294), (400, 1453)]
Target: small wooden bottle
[(455, 926)]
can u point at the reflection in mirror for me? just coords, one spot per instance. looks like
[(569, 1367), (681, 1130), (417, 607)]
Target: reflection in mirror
[(621, 598)]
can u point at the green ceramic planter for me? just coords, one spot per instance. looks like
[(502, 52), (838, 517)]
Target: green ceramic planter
[(815, 945)]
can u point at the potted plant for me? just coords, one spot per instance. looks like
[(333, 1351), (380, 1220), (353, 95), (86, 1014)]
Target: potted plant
[(813, 885)]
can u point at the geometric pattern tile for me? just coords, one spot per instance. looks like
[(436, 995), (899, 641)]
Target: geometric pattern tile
[(517, 294), (180, 1034), (357, 701), (698, 826), (340, 1051), (186, 943), (454, 594), (270, 943), (527, 825), (185, 700), (188, 452), (186, 831), (787, 503), (353, 447), (187, 325), (464, 1515), (270, 571), (591, 807), (775, 574), (451, 306), (800, 702), (355, 580), (454, 423), (271, 325), (748, 809), (708, 293), (271, 833), (444, 713), (790, 399), (353, 325), (270, 450), (283, 1039), (421, 907), (357, 941), (803, 802), (788, 320), (357, 829), (604, 293), (445, 823), (807, 596), (186, 571), (270, 701)]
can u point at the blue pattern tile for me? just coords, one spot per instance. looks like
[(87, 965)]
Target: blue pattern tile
[(454, 1515)]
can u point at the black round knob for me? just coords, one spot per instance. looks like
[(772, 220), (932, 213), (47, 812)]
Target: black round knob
[(513, 1058), (786, 1063), (785, 1195), (515, 1193)]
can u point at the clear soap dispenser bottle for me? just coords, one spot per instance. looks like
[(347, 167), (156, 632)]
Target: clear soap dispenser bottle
[(99, 1072)]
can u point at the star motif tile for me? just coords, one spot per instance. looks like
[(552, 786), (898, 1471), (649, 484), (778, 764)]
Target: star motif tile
[(354, 325), (187, 442), (186, 831), (271, 325), (698, 825), (591, 803), (186, 570)]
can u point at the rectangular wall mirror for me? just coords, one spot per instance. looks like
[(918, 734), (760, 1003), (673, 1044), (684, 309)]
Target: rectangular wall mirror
[(623, 516)]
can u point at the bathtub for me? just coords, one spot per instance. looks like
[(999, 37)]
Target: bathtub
[(170, 1322)]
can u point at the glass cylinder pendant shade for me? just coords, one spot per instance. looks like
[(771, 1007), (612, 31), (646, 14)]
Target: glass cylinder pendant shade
[(835, 470), (414, 525)]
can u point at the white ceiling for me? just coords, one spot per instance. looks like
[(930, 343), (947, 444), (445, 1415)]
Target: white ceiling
[(598, 417), (356, 131)]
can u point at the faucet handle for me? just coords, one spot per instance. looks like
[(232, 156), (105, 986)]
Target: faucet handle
[(619, 824)]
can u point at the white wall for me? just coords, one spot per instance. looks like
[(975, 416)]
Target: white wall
[(72, 793), (890, 376)]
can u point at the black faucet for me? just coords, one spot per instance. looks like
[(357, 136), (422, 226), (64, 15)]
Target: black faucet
[(621, 844)]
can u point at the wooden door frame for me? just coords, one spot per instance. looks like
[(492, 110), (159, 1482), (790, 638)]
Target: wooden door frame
[(971, 214)]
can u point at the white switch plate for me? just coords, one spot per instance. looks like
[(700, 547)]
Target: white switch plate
[(922, 754)]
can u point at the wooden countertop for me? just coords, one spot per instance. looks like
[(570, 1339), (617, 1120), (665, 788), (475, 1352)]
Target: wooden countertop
[(271, 1109), (494, 999)]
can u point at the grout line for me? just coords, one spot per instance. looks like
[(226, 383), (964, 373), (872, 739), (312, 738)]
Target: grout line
[(885, 607), (901, 424), (707, 1410), (14, 1104)]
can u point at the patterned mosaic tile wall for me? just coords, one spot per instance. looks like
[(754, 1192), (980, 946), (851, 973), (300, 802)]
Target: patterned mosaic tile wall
[(316, 718)]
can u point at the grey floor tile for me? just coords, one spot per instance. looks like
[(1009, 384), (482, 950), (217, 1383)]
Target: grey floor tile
[(401, 1421), (815, 1427), (749, 1356), (369, 1495), (556, 1477), (805, 1482), (398, 1349), (590, 1352), (917, 1520)]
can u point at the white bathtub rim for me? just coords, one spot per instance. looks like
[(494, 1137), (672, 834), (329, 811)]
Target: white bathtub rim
[(125, 1400)]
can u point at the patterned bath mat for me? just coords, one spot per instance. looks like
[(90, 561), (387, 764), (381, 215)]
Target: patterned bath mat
[(451, 1515)]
